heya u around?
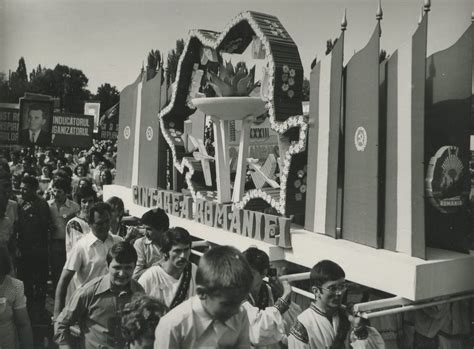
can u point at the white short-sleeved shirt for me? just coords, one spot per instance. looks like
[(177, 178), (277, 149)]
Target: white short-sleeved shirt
[(148, 254), (159, 284), (190, 326), (88, 257)]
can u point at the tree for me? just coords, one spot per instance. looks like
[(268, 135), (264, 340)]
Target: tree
[(21, 70), (18, 82), (173, 60), (154, 59), (108, 96), (305, 89), (154, 62), (383, 56), (36, 72), (330, 45), (4, 89), (69, 84)]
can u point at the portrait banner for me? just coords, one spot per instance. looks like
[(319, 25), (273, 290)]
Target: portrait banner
[(35, 122)]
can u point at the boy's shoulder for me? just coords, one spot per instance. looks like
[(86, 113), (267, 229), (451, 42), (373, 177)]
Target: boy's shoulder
[(180, 314), (307, 313)]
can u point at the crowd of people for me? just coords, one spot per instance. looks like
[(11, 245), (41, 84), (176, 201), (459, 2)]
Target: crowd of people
[(134, 286)]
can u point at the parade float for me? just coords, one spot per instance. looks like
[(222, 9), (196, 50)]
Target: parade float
[(374, 177)]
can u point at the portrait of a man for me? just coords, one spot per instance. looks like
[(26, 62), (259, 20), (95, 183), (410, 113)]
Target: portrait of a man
[(36, 124)]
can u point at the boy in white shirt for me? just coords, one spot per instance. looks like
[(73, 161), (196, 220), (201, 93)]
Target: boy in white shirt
[(266, 317), (214, 318)]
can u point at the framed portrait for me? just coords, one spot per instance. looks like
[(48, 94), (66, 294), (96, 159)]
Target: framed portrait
[(36, 119)]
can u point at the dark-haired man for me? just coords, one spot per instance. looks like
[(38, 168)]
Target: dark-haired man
[(97, 305), (34, 228), (62, 210), (87, 260), (156, 222), (34, 134), (173, 280), (323, 324)]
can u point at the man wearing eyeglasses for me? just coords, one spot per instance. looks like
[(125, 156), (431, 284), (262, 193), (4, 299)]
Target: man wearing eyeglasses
[(148, 248), (324, 324)]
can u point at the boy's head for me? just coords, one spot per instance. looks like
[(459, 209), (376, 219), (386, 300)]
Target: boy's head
[(118, 208), (259, 263), (139, 320), (328, 284), (121, 260), (223, 281), (60, 188), (156, 222), (85, 197)]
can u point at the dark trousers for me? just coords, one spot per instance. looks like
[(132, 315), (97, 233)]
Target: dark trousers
[(33, 271), (57, 258)]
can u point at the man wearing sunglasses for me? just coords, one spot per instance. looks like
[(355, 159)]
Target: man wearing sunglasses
[(324, 324), (156, 222)]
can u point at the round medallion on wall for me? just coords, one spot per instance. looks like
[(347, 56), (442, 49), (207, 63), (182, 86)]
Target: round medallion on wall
[(149, 133), (446, 183), (360, 138), (126, 132)]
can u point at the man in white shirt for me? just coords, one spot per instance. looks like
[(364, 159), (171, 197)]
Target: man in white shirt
[(87, 259), (173, 280)]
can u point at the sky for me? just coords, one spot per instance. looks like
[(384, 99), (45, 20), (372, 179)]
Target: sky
[(110, 39)]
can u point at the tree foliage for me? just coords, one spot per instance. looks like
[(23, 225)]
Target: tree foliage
[(21, 70), (154, 62), (330, 45), (66, 83), (4, 93), (306, 88), (108, 96), (63, 82), (173, 60), (154, 59), (383, 56)]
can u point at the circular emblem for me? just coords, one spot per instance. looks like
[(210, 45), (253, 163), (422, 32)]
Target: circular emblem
[(447, 180), (126, 132), (360, 138), (149, 133)]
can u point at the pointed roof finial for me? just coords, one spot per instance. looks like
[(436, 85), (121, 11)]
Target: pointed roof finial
[(472, 16), (427, 5), (379, 14), (420, 19), (344, 21)]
